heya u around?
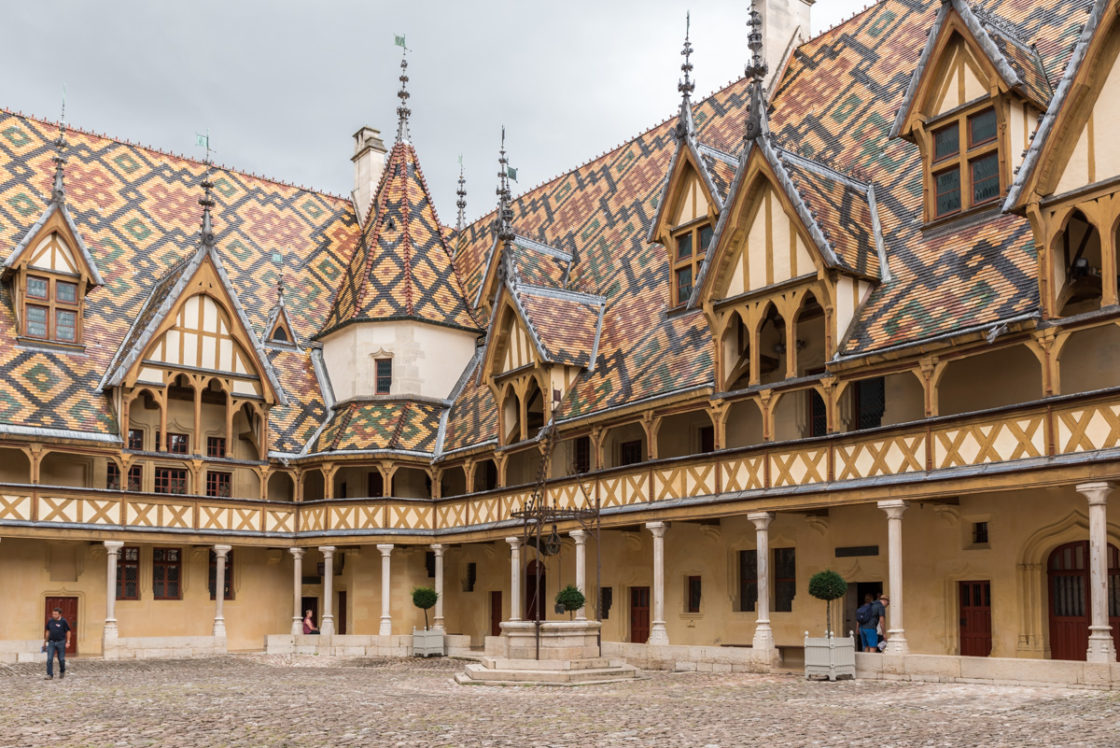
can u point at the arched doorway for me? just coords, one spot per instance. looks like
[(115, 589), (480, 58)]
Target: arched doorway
[(1068, 582), (535, 579)]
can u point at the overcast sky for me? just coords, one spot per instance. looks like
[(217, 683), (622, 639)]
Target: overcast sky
[(283, 84)]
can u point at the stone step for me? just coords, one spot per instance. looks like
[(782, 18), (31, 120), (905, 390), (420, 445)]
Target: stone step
[(477, 673), (596, 663)]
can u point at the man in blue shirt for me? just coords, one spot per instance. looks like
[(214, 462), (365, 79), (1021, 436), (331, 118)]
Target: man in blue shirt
[(56, 638)]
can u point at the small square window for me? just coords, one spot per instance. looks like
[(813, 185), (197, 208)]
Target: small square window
[(136, 439), (980, 533), (67, 293), (384, 375), (37, 287), (219, 484), (982, 127), (582, 458), (684, 284), (135, 478), (948, 191), (65, 325), (985, 178), (37, 321), (684, 246), (171, 480), (177, 443), (112, 476), (215, 446), (946, 142), (630, 453)]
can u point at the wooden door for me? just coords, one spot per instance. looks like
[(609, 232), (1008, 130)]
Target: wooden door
[(340, 613), (1068, 578), (69, 607), (535, 579), (976, 618), (639, 615), (496, 613)]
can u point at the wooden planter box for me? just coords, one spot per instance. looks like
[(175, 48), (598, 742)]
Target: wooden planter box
[(427, 643), (831, 657)]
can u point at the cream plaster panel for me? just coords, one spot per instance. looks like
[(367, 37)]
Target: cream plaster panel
[(967, 384), (692, 204), (52, 253), (1076, 173), (1090, 360), (1097, 153), (427, 359), (965, 82)]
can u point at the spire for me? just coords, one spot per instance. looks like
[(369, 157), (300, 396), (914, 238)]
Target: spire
[(685, 86), (461, 203), (280, 291), (757, 124), (58, 192), (403, 111), (207, 202), (504, 222)]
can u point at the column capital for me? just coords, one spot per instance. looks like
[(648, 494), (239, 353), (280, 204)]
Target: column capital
[(326, 550), (296, 552), (514, 543), (657, 528), (113, 546), (761, 520), (580, 536), (437, 548), (1096, 492), (385, 548), (893, 507), (221, 550)]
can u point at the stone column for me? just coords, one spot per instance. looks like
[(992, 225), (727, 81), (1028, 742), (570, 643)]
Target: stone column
[(514, 578), (386, 627), (580, 538), (437, 621), (763, 634), (896, 635), (326, 626), (297, 590), (1101, 646), (220, 552), (109, 633), (657, 633)]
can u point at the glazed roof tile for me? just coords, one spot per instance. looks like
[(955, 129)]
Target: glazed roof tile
[(566, 324), (395, 425), (291, 425)]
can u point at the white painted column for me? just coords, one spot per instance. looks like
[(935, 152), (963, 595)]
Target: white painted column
[(220, 552), (297, 590), (1101, 646), (109, 633), (326, 626), (386, 628), (580, 538), (896, 634), (514, 578), (658, 635), (763, 635)]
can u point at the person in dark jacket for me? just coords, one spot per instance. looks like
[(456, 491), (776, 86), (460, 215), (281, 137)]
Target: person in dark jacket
[(56, 638)]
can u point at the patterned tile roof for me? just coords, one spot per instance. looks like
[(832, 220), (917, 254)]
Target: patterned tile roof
[(292, 425), (402, 267), (721, 169), (398, 425), (473, 418), (535, 263), (136, 210), (565, 323)]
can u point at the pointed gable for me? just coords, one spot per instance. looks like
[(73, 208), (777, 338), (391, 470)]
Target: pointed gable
[(402, 268), (55, 245), (536, 263), (278, 328), (689, 193)]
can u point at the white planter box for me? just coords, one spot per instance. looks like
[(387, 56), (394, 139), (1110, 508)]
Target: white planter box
[(831, 657), (427, 643)]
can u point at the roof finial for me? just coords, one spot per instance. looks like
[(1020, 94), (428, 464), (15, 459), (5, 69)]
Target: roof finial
[(403, 111), (504, 223), (685, 86), (461, 203), (207, 200), (58, 192), (756, 71), (280, 290)]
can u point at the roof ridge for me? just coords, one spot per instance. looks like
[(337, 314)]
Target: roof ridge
[(561, 293)]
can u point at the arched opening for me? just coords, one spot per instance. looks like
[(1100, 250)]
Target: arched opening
[(625, 445), (536, 591), (63, 469), (246, 484), (485, 476), (313, 485), (881, 401), (411, 483), (511, 416), (1077, 266), (534, 409), (453, 482), (14, 466), (810, 336), (143, 421), (522, 466), (1090, 360), (744, 423), (736, 354), (772, 347), (281, 486), (967, 384), (246, 426), (1068, 586), (685, 434), (571, 457), (215, 404)]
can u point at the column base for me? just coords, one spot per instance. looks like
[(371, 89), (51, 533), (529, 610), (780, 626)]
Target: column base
[(109, 640), (297, 626), (896, 643), (386, 628), (1101, 646), (220, 628), (326, 627), (763, 636), (658, 636)]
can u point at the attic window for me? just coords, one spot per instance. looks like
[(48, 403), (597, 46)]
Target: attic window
[(964, 166), (280, 335), (52, 309), (690, 244)]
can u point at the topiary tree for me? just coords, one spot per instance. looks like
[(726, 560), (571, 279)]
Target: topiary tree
[(827, 585), (424, 598), (570, 599)]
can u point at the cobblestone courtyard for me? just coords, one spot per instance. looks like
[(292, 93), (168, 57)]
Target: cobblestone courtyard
[(266, 701)]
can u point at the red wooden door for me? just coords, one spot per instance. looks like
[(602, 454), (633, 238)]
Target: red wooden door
[(69, 607), (976, 618), (639, 615), (1068, 577), (496, 613), (535, 580)]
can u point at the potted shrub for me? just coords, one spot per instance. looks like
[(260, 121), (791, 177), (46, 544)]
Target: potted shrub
[(569, 600), (832, 657), (426, 643)]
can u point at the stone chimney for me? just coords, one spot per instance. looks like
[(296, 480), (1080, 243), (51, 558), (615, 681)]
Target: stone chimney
[(783, 22), (369, 162)]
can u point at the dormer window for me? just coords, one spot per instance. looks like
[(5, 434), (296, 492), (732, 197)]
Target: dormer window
[(965, 163), (690, 244), (51, 309)]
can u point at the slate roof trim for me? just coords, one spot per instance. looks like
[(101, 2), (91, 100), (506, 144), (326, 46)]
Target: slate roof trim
[(518, 241), (49, 433), (460, 383), (1057, 103), (692, 145), (83, 250)]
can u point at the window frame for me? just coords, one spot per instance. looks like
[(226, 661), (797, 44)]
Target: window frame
[(748, 582), (216, 446), (693, 593), (164, 473), (961, 161), (214, 484), (135, 478), (128, 558), (139, 433), (784, 583), (51, 304), (161, 582), (378, 377), (691, 261)]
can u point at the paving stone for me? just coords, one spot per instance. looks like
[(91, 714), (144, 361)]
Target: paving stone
[(258, 700)]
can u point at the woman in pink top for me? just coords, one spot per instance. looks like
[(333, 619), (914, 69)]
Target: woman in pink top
[(309, 624)]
